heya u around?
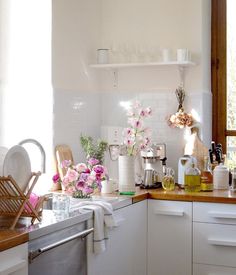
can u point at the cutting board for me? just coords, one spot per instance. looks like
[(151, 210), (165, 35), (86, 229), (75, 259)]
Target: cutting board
[(63, 152), (196, 148)]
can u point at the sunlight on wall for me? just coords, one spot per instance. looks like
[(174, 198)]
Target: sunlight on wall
[(27, 91)]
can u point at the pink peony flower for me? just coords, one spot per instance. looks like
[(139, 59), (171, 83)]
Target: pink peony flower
[(56, 178), (93, 161), (66, 163), (71, 174), (81, 167)]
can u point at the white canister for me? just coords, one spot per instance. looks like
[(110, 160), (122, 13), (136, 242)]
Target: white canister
[(102, 56), (107, 187), (126, 174), (221, 177)]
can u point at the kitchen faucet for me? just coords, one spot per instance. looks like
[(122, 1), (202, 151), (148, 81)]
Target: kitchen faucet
[(43, 155)]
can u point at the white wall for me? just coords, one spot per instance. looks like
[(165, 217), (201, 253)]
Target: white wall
[(75, 38), (158, 24)]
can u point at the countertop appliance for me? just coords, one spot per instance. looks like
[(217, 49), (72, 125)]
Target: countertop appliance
[(60, 252), (154, 163)]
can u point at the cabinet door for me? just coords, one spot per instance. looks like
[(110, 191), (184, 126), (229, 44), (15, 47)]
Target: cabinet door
[(125, 252), (14, 261), (169, 238)]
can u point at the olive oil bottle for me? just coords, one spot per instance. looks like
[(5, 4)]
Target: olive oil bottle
[(192, 179)]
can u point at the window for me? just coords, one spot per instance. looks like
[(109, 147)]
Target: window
[(224, 76), (26, 90)]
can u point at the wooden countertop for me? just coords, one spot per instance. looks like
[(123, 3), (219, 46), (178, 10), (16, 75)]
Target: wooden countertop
[(216, 196), (11, 238)]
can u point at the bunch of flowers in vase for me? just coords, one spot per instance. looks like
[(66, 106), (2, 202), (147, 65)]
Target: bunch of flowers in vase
[(83, 179), (136, 136)]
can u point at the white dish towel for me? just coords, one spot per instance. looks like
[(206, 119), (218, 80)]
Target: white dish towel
[(103, 217)]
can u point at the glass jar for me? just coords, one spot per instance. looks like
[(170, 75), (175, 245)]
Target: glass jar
[(192, 179), (168, 181), (206, 176)]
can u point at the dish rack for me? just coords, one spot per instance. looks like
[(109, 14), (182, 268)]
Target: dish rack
[(16, 203)]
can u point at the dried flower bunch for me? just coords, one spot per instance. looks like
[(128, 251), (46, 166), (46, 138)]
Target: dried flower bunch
[(180, 119), (136, 136)]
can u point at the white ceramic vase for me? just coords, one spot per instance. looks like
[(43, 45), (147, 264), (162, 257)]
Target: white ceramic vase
[(126, 174)]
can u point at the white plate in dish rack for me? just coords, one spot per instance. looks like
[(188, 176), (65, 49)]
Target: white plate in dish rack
[(3, 152), (17, 164)]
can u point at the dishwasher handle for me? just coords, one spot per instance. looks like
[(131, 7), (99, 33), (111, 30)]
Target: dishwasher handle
[(34, 254)]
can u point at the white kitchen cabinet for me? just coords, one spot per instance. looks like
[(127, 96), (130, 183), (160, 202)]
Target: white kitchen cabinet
[(14, 261), (214, 238), (126, 250), (169, 238), (201, 269)]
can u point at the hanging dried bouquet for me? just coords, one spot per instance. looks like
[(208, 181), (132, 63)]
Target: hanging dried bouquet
[(180, 119)]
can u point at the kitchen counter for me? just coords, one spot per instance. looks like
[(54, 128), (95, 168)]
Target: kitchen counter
[(25, 231), (10, 238)]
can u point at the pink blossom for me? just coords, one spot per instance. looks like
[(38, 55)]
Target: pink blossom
[(80, 185), (93, 161), (70, 189), (66, 163), (91, 179), (88, 190), (81, 167), (56, 178), (65, 181), (148, 111), (98, 169), (72, 175)]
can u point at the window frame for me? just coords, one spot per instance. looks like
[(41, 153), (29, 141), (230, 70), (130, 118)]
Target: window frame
[(219, 72)]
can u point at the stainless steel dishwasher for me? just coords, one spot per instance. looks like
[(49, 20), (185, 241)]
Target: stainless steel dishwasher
[(61, 252)]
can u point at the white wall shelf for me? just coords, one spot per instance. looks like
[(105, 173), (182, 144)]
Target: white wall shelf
[(115, 66), (147, 64)]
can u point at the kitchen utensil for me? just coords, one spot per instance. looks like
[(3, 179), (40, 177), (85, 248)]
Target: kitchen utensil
[(198, 149), (17, 164), (149, 178), (63, 152), (154, 158)]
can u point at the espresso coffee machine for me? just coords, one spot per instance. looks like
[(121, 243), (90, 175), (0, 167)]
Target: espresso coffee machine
[(154, 164)]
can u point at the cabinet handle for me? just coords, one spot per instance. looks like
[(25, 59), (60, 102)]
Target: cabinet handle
[(222, 215), (36, 253), (13, 268), (221, 242), (179, 213)]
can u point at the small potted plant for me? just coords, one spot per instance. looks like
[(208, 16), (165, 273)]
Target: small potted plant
[(92, 149)]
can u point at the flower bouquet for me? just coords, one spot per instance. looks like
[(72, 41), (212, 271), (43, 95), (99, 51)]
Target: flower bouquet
[(136, 138), (82, 180)]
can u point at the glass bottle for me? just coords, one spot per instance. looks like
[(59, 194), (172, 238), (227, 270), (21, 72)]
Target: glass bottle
[(168, 181), (192, 179), (206, 176)]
